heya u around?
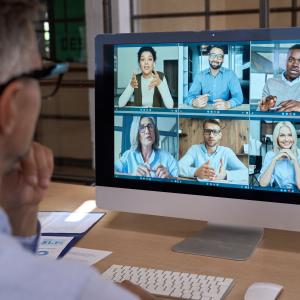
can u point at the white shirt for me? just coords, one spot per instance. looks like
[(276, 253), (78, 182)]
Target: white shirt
[(290, 83), (147, 94), (28, 277)]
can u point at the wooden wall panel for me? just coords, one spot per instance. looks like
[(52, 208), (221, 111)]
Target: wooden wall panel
[(234, 135)]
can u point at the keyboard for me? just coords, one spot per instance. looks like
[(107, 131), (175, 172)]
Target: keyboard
[(172, 284)]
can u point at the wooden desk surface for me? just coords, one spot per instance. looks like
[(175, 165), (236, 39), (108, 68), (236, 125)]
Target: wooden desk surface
[(211, 107), (146, 241)]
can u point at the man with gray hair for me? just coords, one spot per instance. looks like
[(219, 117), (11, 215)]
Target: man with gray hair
[(25, 172)]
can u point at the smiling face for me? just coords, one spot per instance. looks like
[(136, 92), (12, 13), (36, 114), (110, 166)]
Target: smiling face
[(285, 138), (216, 58), (147, 63), (146, 132), (293, 65)]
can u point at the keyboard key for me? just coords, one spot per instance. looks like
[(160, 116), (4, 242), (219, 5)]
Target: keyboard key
[(173, 284)]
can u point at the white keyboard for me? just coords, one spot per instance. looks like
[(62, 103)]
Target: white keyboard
[(173, 284)]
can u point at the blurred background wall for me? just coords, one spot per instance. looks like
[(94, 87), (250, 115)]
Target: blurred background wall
[(66, 33)]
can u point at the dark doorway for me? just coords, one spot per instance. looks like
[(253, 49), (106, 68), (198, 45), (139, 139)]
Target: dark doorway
[(171, 73)]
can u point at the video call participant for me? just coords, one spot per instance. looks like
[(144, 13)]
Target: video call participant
[(282, 93), (25, 172), (281, 165), (145, 158), (210, 161), (216, 85), (150, 88)]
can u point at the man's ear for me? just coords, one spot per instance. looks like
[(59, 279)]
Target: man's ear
[(8, 107)]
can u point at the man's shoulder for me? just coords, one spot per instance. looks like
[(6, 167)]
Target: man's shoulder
[(194, 150), (39, 276), (197, 147), (226, 149), (228, 72), (275, 80), (204, 72)]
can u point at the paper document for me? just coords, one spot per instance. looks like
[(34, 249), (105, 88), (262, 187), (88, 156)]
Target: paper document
[(88, 256), (67, 222), (52, 246)]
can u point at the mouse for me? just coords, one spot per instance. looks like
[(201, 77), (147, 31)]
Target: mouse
[(263, 290)]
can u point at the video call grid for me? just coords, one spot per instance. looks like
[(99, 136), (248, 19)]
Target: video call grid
[(253, 115)]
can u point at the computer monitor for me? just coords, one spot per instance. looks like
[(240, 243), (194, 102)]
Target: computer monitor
[(201, 125)]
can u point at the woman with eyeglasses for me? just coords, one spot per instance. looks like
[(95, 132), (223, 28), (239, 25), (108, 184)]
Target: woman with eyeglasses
[(281, 165), (150, 87), (145, 158)]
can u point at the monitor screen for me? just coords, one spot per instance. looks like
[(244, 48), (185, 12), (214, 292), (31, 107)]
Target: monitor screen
[(199, 117)]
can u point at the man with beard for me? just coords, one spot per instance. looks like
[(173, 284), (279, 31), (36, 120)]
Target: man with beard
[(210, 161), (282, 93), (216, 85)]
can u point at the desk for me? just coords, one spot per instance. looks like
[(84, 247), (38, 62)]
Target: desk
[(242, 107), (146, 241)]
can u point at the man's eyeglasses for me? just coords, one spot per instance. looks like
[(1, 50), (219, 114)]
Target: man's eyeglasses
[(211, 131), (216, 56), (48, 72), (293, 60), (142, 128)]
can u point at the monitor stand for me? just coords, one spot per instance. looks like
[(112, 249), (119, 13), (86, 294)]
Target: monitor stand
[(230, 242)]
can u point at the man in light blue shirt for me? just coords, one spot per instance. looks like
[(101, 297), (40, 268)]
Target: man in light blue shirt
[(216, 85), (210, 161), (25, 172), (29, 277)]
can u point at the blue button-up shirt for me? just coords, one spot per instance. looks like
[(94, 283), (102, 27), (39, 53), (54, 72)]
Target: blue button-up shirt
[(29, 277), (131, 159), (225, 85), (197, 155), (283, 175)]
